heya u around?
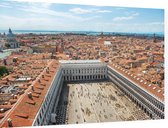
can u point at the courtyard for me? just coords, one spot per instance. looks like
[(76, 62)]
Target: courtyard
[(98, 102)]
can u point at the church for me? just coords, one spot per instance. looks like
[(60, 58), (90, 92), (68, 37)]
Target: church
[(11, 40)]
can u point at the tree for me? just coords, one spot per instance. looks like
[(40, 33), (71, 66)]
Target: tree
[(3, 70)]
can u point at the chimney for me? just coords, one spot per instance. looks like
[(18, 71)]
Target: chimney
[(32, 87), (9, 122), (15, 97), (29, 95)]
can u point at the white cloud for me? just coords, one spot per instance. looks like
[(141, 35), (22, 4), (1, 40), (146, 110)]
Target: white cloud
[(156, 23), (36, 23), (84, 11), (44, 8), (41, 17), (119, 8), (80, 11), (5, 5), (49, 1), (135, 27), (46, 11), (104, 11), (34, 8), (41, 23), (73, 10), (121, 18)]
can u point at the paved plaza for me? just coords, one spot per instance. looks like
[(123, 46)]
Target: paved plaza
[(99, 102)]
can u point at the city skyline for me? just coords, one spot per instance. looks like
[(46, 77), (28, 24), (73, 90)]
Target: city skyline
[(20, 15), (71, 64)]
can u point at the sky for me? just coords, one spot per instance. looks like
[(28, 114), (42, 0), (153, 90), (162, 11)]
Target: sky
[(23, 15)]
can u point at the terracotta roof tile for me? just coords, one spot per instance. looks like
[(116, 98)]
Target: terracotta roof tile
[(160, 95), (19, 116)]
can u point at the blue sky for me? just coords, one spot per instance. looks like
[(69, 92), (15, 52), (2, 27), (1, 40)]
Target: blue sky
[(21, 15)]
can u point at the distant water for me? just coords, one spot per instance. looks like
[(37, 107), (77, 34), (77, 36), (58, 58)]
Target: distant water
[(49, 32), (7, 52), (160, 34), (4, 54)]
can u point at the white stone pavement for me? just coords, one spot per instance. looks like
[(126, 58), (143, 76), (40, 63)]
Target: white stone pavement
[(100, 102)]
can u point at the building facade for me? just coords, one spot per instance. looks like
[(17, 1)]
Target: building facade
[(83, 70)]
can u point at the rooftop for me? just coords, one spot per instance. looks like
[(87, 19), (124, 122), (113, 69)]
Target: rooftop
[(79, 61), (17, 113), (151, 88), (30, 67)]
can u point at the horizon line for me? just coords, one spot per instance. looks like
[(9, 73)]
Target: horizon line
[(80, 31)]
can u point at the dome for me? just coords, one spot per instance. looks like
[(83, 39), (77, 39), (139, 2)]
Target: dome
[(10, 34)]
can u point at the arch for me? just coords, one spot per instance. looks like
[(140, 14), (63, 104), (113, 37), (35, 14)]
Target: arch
[(157, 113), (150, 115), (96, 76), (147, 112), (142, 107), (139, 105), (162, 116)]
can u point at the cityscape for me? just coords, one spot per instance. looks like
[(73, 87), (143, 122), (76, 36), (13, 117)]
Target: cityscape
[(66, 64)]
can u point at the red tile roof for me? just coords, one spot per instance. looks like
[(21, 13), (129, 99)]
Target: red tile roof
[(24, 111), (153, 89)]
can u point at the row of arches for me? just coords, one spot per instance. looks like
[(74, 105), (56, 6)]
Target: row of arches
[(84, 70), (84, 77), (146, 95), (148, 108), (152, 100)]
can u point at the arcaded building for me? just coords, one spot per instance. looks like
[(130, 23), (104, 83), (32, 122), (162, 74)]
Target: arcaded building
[(50, 84), (88, 70)]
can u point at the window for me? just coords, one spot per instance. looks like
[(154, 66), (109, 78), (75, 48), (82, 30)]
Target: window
[(42, 110), (40, 114), (45, 105)]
